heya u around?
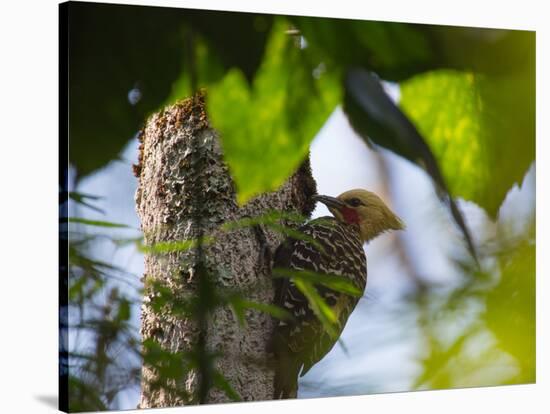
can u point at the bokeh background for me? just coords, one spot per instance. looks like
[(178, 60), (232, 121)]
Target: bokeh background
[(429, 318)]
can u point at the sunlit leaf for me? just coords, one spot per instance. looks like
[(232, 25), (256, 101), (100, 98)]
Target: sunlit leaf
[(481, 129), (266, 129)]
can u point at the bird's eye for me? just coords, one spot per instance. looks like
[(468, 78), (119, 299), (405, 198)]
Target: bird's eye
[(354, 202)]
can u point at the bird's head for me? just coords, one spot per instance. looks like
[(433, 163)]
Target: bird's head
[(364, 209)]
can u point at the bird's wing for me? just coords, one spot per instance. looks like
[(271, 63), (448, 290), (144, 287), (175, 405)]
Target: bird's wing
[(303, 341)]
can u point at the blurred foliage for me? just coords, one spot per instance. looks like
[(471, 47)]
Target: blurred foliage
[(174, 299), (173, 367), (483, 332), (510, 308), (208, 70), (102, 356)]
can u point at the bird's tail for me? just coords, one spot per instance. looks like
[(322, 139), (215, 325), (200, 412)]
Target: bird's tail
[(286, 377)]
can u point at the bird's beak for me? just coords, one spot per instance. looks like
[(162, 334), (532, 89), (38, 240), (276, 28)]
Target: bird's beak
[(330, 202)]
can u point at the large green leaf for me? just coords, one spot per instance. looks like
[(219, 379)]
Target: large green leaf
[(266, 129), (480, 128), (394, 50)]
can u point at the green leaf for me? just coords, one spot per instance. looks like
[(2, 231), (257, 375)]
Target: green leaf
[(394, 50), (76, 288), (239, 305), (124, 310), (481, 129), (173, 246), (82, 198), (273, 310), (296, 234), (271, 219), (323, 312), (220, 382), (98, 223), (170, 365), (266, 129), (83, 396), (138, 241), (79, 197), (510, 309), (208, 70), (334, 282), (162, 299)]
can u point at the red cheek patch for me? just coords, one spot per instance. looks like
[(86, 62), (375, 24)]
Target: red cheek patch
[(350, 215)]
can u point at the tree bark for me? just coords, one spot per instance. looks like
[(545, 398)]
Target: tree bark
[(181, 159)]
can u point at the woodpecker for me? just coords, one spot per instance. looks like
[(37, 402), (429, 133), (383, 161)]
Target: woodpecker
[(297, 344)]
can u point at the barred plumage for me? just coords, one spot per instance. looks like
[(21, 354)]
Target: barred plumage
[(338, 250)]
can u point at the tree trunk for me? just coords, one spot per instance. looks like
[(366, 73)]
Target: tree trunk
[(181, 162)]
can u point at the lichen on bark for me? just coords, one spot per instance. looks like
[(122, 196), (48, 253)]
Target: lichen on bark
[(180, 158)]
